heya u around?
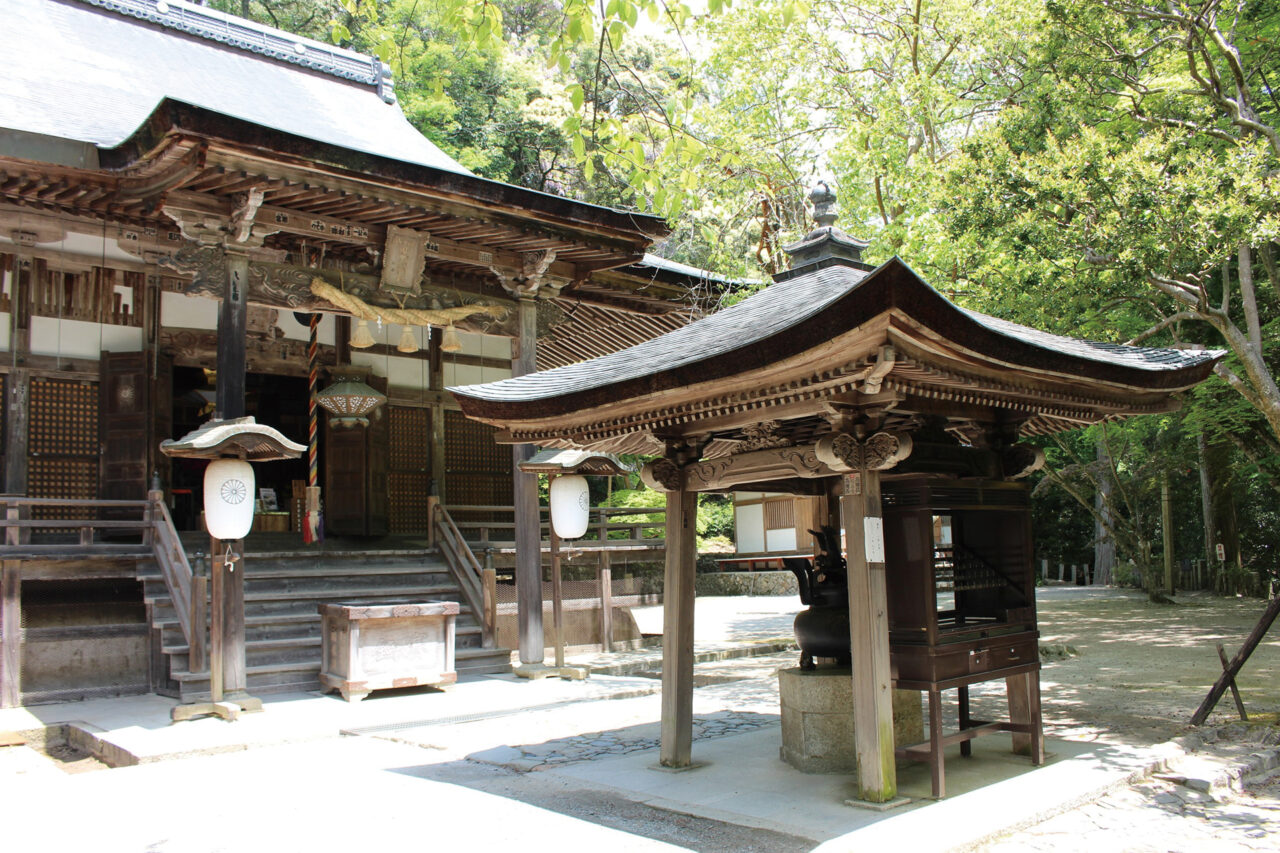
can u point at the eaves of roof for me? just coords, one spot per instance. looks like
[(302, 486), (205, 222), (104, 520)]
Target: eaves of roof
[(176, 119), (808, 310)]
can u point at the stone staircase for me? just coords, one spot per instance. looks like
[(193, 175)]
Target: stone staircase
[(282, 627)]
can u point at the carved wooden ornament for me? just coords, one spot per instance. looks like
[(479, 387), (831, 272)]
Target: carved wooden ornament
[(1020, 460), (843, 452), (662, 475)]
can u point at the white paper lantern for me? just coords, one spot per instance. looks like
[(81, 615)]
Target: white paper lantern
[(228, 498), (570, 506)]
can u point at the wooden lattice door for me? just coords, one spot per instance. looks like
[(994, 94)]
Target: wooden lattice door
[(409, 469), (478, 469), (63, 444), (355, 474), (127, 427)]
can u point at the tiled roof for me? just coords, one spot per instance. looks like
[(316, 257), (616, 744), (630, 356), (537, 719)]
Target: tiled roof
[(776, 311), (94, 70)]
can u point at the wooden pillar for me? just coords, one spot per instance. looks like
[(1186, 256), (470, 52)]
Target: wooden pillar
[(18, 418), (606, 585), (232, 320), (227, 673), (677, 629), (557, 592), (528, 527), (435, 382), (10, 633), (869, 637)]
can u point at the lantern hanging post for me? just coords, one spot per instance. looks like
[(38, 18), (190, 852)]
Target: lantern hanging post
[(569, 511), (229, 487)]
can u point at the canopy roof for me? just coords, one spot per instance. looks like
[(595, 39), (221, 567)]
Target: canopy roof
[(834, 334)]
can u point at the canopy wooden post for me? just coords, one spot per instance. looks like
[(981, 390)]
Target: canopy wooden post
[(557, 593), (606, 586), (10, 633), (677, 629), (528, 527), (869, 637)]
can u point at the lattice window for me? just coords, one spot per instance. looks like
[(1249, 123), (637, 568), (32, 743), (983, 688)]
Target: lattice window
[(409, 477), (410, 442), (64, 418), (478, 469), (62, 443), (780, 514)]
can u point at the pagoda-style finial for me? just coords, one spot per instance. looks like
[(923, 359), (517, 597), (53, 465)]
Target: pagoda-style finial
[(826, 244), (824, 204)]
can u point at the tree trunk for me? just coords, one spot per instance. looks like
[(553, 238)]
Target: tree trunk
[(1206, 510), (1104, 546)]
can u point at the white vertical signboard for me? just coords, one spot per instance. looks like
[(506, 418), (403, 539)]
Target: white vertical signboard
[(873, 536)]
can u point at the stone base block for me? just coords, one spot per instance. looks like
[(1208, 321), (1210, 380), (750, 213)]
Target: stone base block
[(817, 719)]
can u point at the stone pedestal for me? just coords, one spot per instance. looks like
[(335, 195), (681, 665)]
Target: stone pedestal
[(817, 719)]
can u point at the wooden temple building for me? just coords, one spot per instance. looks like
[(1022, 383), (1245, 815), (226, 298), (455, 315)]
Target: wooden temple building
[(902, 415), (203, 216)]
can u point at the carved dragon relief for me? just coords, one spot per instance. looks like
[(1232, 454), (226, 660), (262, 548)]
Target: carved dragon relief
[(756, 466), (844, 452)]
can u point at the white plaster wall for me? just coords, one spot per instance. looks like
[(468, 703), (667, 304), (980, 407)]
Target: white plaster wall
[(782, 539), (748, 525), (298, 332), (78, 339), (6, 320), (180, 311)]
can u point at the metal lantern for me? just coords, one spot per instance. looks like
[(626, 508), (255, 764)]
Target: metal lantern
[(570, 506), (350, 400), (228, 498)]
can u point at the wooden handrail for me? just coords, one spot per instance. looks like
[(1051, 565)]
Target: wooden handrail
[(475, 583), (158, 534)]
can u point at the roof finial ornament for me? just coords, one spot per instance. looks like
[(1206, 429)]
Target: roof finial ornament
[(823, 198), (826, 244)]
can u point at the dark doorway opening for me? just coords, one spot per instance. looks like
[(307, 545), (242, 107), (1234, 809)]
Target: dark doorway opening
[(278, 401)]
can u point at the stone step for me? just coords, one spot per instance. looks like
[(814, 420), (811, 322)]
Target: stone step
[(265, 679)]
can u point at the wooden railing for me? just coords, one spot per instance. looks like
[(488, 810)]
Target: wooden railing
[(154, 528), (478, 583), (479, 527)]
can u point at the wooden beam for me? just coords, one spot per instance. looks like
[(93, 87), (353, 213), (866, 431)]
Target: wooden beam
[(677, 630), (10, 633), (869, 637), (232, 320)]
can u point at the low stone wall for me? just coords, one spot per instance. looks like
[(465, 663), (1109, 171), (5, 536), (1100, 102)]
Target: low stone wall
[(746, 583)]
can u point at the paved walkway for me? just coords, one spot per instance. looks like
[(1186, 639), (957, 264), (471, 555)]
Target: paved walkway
[(500, 761)]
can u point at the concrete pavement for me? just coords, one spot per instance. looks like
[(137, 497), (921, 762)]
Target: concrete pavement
[(498, 760)]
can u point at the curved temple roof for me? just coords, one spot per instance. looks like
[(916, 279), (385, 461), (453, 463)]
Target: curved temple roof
[(827, 319)]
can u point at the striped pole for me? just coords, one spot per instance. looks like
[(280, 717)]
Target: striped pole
[(312, 529)]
